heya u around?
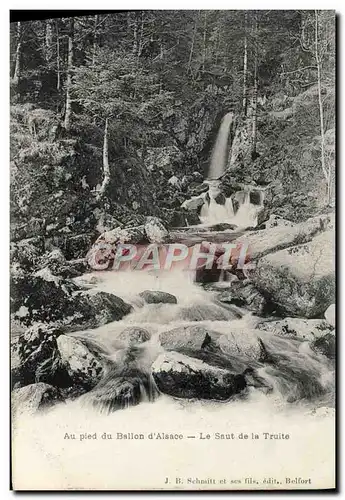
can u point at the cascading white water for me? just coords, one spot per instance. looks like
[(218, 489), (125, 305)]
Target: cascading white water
[(297, 376), (213, 212), (219, 153)]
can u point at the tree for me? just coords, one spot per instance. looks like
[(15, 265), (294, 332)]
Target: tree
[(68, 111)]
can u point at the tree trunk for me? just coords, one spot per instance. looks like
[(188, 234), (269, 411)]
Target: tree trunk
[(135, 37), (255, 88), (94, 49), (245, 66), (192, 45), (68, 113), (204, 42), (141, 37), (18, 65), (327, 174), (106, 170), (58, 82), (49, 40)]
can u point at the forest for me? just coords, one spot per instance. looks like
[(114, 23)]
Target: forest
[(117, 122)]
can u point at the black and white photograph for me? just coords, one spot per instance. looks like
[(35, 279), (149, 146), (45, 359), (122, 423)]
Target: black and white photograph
[(172, 250)]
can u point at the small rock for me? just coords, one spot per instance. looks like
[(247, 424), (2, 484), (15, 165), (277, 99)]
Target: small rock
[(134, 335), (158, 297)]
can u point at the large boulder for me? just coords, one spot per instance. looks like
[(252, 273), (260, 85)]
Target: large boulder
[(264, 242), (46, 298), (155, 230), (208, 312), (194, 340), (297, 328), (36, 358), (158, 297), (33, 398), (84, 367), (185, 377), (299, 280)]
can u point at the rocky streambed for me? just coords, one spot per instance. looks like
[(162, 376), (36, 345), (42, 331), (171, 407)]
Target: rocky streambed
[(110, 340)]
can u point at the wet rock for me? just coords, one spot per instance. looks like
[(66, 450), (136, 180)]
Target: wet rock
[(244, 294), (240, 343), (297, 328), (155, 230), (33, 398), (325, 345), (158, 297), (330, 315), (91, 309), (185, 377), (192, 338), (223, 226), (134, 335), (220, 199), (36, 358), (299, 280), (49, 299), (194, 204), (209, 312), (244, 343), (84, 368)]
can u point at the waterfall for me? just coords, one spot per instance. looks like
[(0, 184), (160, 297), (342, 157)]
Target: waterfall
[(219, 154), (217, 209)]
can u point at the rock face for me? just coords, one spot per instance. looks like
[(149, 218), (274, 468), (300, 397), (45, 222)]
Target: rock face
[(297, 328), (134, 335), (83, 367), (157, 297), (299, 280), (184, 377), (33, 398), (330, 315)]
